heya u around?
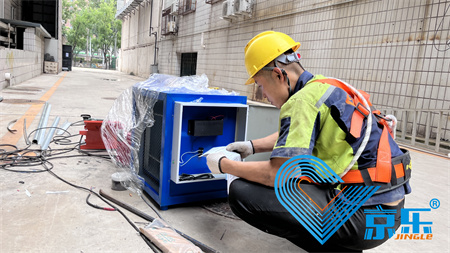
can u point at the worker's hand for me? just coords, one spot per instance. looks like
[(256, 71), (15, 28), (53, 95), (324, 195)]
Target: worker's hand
[(244, 148), (213, 162)]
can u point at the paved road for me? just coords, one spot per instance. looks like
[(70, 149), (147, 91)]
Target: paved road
[(35, 218)]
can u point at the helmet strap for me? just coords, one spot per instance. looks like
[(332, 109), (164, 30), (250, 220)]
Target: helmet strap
[(289, 84)]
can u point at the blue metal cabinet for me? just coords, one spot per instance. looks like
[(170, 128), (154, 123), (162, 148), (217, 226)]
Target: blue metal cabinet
[(168, 139)]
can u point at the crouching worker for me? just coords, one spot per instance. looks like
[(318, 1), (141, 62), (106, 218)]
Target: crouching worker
[(321, 117)]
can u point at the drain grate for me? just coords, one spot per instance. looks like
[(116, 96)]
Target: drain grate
[(22, 101), (220, 207), (110, 79), (109, 98)]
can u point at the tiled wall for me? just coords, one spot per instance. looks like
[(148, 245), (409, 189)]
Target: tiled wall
[(7, 4), (22, 64), (138, 47), (398, 51)]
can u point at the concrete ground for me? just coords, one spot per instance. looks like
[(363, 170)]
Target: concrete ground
[(40, 213)]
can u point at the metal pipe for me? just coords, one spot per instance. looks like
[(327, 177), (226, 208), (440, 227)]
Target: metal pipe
[(44, 125), (50, 134), (427, 129), (64, 126), (41, 119), (25, 135), (156, 38), (414, 128), (151, 19), (404, 120), (145, 216), (438, 132)]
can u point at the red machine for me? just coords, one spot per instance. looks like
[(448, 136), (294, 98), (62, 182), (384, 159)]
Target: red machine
[(92, 132)]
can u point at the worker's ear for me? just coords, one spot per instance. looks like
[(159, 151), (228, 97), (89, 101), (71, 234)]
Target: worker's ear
[(277, 73)]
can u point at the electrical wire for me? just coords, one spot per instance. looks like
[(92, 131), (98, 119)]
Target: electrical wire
[(188, 152), (187, 177), (447, 44), (113, 208), (184, 163), (12, 157), (96, 206), (151, 206)]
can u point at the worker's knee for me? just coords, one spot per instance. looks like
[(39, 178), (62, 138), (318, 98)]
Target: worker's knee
[(235, 196)]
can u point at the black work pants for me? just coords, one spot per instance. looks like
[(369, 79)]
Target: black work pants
[(258, 205)]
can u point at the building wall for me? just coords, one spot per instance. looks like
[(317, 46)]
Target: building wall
[(397, 51), (22, 64), (138, 45), (29, 62), (6, 11)]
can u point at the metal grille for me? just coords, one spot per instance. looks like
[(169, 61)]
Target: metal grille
[(152, 145), (397, 51), (165, 19), (188, 64), (187, 6)]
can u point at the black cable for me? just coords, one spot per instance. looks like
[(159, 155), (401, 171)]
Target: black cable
[(151, 206), (187, 177), (96, 206), (77, 123), (8, 145), (64, 140), (153, 247), (40, 128), (20, 158)]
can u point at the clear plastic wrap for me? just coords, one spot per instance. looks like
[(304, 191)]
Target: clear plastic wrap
[(132, 112), (167, 239)]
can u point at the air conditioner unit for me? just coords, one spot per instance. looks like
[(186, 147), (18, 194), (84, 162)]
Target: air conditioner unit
[(242, 7), (172, 26), (227, 10), (174, 8)]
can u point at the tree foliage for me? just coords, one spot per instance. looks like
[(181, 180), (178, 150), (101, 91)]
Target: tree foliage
[(94, 20), (106, 28)]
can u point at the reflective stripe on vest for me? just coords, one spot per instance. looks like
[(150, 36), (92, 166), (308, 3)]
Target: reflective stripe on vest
[(383, 171)]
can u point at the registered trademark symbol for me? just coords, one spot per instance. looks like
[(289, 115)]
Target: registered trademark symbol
[(435, 203)]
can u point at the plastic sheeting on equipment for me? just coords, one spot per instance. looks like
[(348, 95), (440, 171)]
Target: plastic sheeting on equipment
[(132, 112)]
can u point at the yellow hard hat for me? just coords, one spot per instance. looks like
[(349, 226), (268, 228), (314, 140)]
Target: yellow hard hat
[(264, 48)]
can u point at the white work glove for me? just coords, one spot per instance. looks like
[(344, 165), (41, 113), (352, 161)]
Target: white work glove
[(244, 148), (213, 162)]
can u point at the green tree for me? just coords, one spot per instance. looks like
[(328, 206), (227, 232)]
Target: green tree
[(95, 20), (77, 15), (106, 28)]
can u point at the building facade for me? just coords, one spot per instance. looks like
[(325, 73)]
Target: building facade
[(397, 51), (29, 30)]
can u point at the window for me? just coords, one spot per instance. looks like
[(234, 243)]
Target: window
[(187, 6), (166, 20), (188, 64), (13, 12), (42, 12)]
